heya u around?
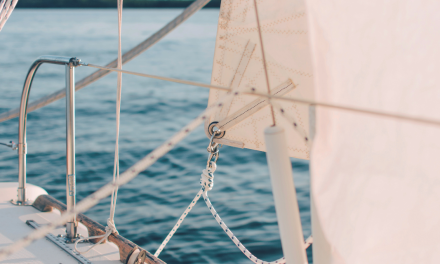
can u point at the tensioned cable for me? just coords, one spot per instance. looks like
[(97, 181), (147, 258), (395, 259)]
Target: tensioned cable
[(287, 99), (125, 177), (126, 57)]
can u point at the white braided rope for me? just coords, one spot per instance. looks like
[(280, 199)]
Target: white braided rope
[(7, 12), (2, 4), (177, 225), (207, 182), (234, 239)]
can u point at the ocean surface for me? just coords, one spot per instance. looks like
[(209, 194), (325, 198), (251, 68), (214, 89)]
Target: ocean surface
[(152, 111)]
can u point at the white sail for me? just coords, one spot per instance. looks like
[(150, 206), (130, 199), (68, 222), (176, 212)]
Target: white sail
[(238, 64), (375, 180)]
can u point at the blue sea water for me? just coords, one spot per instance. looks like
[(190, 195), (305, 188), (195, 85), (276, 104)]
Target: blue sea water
[(152, 111)]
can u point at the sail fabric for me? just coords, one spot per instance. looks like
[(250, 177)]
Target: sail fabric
[(238, 64), (375, 180)]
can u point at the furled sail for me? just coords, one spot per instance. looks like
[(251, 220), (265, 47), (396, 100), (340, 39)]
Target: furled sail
[(238, 64), (375, 180)]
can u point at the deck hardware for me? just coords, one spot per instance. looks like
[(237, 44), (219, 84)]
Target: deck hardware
[(11, 145), (213, 128), (60, 242), (70, 63), (140, 259)]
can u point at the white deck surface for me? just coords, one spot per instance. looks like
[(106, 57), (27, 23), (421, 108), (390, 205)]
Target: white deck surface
[(13, 227)]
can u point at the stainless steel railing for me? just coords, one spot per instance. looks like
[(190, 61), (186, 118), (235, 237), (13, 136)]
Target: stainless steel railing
[(70, 63)]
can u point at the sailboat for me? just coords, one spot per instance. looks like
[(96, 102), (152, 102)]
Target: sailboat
[(352, 86)]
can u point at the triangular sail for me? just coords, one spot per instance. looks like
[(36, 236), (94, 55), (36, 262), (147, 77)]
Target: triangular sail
[(238, 64)]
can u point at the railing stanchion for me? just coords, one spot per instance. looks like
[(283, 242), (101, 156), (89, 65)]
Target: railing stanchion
[(71, 226), (70, 63)]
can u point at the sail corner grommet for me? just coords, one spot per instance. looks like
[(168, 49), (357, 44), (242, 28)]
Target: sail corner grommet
[(211, 130)]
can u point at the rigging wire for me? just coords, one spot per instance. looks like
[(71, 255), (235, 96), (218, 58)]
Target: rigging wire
[(149, 159), (415, 119)]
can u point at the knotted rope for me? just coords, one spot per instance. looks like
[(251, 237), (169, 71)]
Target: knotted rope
[(109, 229)]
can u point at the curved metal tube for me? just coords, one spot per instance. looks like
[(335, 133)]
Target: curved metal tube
[(22, 148)]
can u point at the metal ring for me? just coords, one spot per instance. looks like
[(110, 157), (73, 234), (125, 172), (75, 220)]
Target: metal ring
[(211, 130)]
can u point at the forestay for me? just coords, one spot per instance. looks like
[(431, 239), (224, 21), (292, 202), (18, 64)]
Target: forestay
[(375, 181), (238, 65)]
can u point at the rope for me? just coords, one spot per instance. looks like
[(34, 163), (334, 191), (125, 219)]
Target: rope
[(6, 11), (125, 177), (126, 57), (234, 239), (118, 117), (111, 227), (177, 225), (207, 182), (2, 10)]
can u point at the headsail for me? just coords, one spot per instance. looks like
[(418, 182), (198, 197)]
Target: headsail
[(238, 64), (375, 181)]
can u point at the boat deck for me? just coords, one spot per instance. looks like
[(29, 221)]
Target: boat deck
[(13, 227)]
